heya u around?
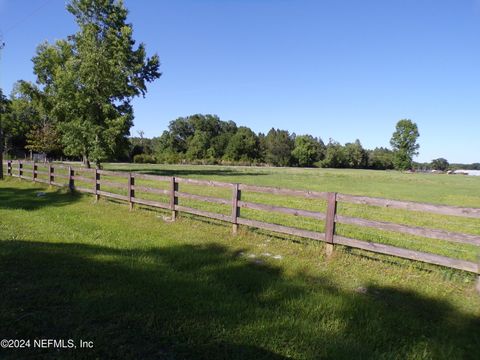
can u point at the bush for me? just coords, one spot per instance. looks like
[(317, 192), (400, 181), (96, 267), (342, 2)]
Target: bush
[(144, 159), (169, 158)]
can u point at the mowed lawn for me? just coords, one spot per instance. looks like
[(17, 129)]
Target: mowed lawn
[(141, 287)]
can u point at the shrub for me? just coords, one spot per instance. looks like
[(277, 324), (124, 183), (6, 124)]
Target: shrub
[(144, 159)]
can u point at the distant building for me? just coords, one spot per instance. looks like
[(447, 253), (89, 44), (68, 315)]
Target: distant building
[(467, 172)]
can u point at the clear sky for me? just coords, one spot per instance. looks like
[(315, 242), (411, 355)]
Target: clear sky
[(341, 69)]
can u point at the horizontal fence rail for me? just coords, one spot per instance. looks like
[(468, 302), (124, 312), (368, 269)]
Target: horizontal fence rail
[(67, 176)]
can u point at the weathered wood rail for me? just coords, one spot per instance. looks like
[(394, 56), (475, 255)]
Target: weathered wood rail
[(330, 217)]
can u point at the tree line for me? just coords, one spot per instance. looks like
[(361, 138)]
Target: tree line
[(207, 139)]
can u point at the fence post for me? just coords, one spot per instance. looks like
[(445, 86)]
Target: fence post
[(9, 167), (20, 169), (330, 222), (96, 184), (71, 180), (235, 209), (34, 171), (131, 189), (173, 198), (478, 283), (51, 174), (478, 275)]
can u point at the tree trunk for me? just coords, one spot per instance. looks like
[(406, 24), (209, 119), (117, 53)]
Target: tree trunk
[(86, 162), (6, 147), (1, 151), (1, 162)]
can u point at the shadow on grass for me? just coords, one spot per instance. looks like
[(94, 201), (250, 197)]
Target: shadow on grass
[(34, 198), (204, 302), (194, 172)]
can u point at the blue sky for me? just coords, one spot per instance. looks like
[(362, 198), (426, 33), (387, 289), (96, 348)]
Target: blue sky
[(335, 68)]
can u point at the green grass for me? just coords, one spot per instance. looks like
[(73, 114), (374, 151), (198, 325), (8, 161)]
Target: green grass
[(143, 288), (437, 189)]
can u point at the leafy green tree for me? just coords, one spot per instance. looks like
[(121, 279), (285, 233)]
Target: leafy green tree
[(243, 146), (163, 144), (335, 156), (198, 145), (404, 143), (140, 145), (308, 150), (440, 164), (209, 124), (380, 159), (356, 156), (195, 137), (15, 128), (262, 147), (44, 138), (31, 112), (178, 135), (17, 118), (279, 146), (220, 142), (322, 149), (92, 77)]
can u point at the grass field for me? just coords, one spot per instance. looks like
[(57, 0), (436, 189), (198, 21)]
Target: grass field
[(429, 188), (140, 287), (440, 188)]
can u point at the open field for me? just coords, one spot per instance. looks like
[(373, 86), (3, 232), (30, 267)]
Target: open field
[(140, 287), (440, 188), (429, 188), (376, 183)]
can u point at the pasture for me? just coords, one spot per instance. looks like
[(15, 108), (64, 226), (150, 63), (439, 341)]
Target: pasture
[(432, 188), (142, 287), (428, 188)]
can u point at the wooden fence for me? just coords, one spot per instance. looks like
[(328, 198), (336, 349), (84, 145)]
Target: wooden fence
[(330, 217)]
